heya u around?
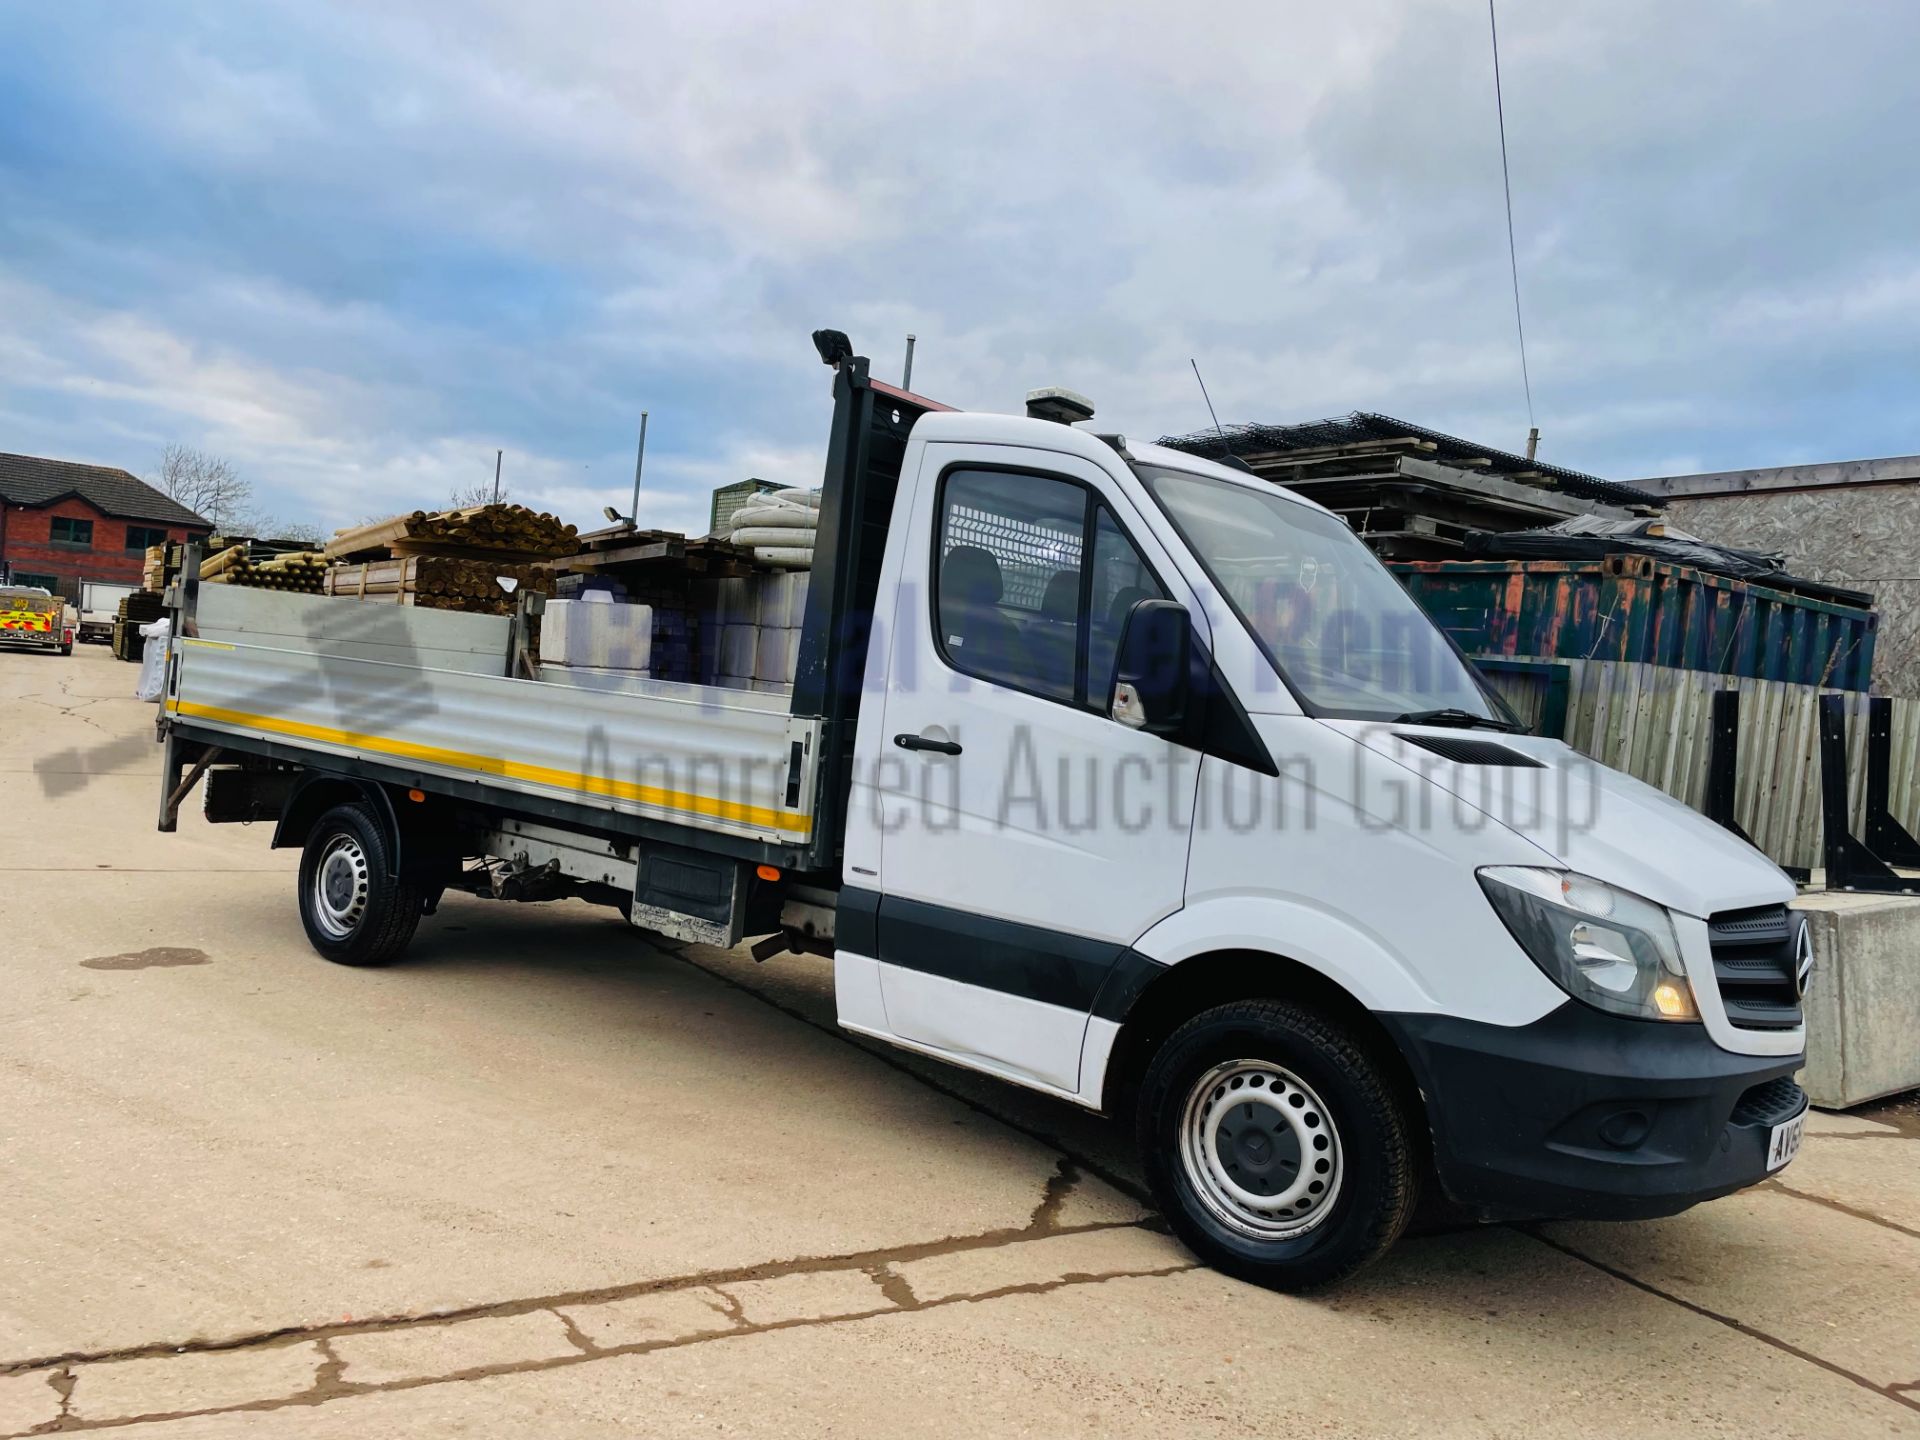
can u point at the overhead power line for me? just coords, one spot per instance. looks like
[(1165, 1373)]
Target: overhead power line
[(1506, 184)]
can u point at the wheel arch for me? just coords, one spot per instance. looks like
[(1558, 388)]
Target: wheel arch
[(1175, 993), (318, 792)]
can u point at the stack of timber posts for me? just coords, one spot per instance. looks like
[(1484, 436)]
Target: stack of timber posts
[(299, 571), (452, 560), (473, 532), (441, 582), (139, 608)]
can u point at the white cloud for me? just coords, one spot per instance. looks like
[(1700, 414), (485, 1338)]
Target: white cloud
[(468, 224)]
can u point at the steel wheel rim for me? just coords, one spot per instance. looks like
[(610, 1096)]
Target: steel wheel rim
[(1260, 1149), (340, 887)]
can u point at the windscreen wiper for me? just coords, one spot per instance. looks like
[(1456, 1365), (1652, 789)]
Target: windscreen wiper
[(1452, 715)]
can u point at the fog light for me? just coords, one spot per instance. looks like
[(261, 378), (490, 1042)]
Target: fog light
[(1625, 1129)]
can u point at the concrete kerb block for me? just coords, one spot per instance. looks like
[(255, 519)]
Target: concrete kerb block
[(1863, 1006)]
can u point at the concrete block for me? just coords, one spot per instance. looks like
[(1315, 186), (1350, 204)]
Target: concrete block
[(605, 635), (776, 655), (735, 600), (780, 600), (739, 646), (1863, 1007)]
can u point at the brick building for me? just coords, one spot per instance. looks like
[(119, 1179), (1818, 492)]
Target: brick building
[(62, 522)]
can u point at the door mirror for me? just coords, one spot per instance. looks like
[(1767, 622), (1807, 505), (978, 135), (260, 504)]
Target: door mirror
[(1150, 672)]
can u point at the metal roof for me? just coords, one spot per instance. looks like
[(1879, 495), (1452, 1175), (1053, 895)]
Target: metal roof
[(35, 480), (1364, 427)]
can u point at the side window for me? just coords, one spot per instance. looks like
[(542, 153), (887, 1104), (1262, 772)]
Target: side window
[(1121, 579), (1008, 584)]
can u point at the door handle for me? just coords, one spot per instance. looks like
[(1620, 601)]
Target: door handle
[(916, 742)]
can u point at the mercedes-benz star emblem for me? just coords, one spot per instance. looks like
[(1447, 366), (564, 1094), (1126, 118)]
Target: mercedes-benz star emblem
[(1803, 960)]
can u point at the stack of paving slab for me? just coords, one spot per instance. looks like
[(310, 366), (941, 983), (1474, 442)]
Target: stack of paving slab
[(750, 630)]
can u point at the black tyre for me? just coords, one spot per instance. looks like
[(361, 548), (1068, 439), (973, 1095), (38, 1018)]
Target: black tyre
[(1275, 1145), (356, 913)]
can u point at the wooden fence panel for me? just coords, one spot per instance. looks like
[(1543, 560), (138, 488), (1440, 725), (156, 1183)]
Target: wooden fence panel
[(1654, 722)]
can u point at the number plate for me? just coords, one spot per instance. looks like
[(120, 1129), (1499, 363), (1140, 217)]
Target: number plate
[(1786, 1141)]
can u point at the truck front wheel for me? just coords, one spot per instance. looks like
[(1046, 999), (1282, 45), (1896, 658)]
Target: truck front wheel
[(356, 912), (1275, 1145)]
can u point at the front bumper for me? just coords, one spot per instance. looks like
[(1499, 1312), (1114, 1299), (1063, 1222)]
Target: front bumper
[(1582, 1115)]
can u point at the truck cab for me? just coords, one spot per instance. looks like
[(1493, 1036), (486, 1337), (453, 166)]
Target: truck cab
[(1167, 799)]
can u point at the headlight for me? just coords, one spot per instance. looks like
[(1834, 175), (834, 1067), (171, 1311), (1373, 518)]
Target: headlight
[(1606, 947)]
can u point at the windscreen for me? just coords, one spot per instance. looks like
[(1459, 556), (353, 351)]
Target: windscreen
[(1341, 630)]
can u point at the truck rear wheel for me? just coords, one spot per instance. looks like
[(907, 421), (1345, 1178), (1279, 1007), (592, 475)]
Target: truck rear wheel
[(355, 911), (1275, 1145)]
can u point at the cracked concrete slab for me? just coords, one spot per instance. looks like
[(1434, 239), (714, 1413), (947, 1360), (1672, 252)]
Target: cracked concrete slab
[(1874, 1177), (170, 1384), (652, 1319), (300, 1193), (819, 1295), (541, 1121), (27, 1401), (1500, 1337), (418, 1352), (1827, 1283), (1040, 1262)]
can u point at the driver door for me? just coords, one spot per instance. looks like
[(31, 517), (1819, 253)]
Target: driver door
[(1030, 837)]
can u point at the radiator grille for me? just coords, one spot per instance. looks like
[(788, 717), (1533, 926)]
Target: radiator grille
[(1755, 961)]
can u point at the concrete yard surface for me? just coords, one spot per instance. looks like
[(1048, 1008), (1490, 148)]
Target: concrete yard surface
[(545, 1178)]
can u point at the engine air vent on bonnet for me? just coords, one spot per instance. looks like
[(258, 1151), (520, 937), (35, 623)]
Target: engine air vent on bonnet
[(1464, 750)]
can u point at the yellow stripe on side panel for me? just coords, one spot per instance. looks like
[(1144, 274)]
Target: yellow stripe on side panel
[(507, 769)]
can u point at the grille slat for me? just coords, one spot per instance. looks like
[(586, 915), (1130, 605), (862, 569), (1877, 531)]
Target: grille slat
[(1754, 957)]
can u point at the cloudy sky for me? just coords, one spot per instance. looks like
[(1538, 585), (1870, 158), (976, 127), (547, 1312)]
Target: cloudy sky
[(355, 248)]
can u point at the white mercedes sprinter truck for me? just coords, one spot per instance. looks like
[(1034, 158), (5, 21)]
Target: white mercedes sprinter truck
[(1115, 773)]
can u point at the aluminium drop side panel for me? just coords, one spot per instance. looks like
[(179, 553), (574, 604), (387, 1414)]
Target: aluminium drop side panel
[(334, 626), (717, 761)]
